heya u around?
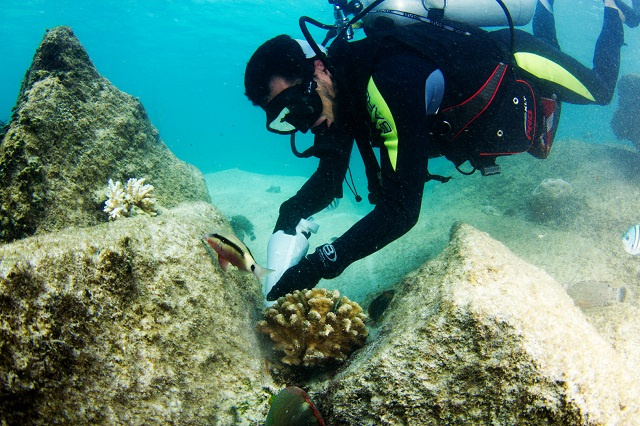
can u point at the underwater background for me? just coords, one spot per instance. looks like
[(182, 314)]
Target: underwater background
[(172, 335), (185, 60)]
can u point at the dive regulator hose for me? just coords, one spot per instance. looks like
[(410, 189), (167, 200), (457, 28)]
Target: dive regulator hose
[(307, 153), (340, 30), (512, 30), (307, 35)]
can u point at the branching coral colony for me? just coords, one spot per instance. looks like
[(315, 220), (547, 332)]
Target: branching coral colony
[(122, 200), (314, 326)]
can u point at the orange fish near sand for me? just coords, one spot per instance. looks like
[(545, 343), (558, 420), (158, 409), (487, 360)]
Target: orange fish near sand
[(231, 250)]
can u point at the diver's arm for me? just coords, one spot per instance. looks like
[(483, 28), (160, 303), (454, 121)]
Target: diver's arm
[(401, 83), (324, 185)]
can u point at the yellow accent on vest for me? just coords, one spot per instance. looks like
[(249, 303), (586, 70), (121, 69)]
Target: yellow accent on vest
[(546, 69), (383, 119)]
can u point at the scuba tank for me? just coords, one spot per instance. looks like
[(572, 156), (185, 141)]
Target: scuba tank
[(383, 14), (480, 13)]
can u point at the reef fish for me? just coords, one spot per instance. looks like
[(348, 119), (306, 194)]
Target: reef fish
[(292, 407), (589, 294), (231, 250), (631, 240), (380, 304)]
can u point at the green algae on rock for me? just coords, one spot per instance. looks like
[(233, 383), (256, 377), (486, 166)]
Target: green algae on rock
[(71, 132), (129, 322), (478, 336)]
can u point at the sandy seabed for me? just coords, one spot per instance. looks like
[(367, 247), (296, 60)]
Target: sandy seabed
[(575, 238)]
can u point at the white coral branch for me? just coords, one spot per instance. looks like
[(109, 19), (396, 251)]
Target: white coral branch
[(116, 205), (139, 195), (120, 200)]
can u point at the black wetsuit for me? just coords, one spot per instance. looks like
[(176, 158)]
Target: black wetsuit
[(381, 94)]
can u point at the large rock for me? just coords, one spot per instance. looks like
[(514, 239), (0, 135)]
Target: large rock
[(625, 119), (478, 336), (72, 131), (129, 322)]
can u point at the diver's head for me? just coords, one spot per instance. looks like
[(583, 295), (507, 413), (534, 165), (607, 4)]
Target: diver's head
[(286, 79)]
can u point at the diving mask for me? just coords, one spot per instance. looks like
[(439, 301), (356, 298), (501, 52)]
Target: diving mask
[(296, 108)]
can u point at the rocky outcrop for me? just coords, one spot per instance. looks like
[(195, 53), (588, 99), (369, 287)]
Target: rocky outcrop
[(71, 132), (625, 120), (553, 200), (478, 336), (129, 322)]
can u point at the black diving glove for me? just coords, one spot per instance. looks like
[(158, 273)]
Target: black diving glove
[(303, 275), (308, 272)]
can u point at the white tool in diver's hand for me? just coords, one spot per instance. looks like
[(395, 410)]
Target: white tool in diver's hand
[(285, 251)]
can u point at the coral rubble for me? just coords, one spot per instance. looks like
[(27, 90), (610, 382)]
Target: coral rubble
[(314, 326), (121, 201), (72, 131)]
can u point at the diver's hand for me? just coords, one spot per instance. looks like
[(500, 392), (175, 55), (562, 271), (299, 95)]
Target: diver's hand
[(301, 276), (323, 263)]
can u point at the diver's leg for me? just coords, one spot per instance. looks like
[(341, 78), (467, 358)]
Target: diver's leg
[(544, 23), (631, 13), (606, 58), (566, 77)]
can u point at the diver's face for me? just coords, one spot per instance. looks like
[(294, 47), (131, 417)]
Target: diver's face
[(325, 89)]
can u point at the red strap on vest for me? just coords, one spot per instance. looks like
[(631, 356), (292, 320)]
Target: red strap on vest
[(468, 111)]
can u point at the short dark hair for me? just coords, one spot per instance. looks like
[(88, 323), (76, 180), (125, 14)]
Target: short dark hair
[(281, 56)]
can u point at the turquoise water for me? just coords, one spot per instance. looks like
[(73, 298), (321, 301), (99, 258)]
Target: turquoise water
[(185, 61)]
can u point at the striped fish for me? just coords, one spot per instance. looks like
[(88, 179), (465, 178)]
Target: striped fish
[(231, 250), (631, 240)]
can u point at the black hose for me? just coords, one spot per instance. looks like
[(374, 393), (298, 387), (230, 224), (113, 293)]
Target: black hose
[(512, 30), (307, 153), (307, 35)]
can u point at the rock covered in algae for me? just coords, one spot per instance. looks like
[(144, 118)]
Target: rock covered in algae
[(71, 132), (625, 119), (478, 336), (129, 322), (314, 326), (552, 199)]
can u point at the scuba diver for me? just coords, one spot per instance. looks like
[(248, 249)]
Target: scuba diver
[(415, 91)]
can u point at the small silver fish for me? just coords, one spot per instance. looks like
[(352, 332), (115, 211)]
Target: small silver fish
[(631, 240), (232, 251)]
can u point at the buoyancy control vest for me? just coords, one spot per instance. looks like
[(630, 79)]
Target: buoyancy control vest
[(493, 111)]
